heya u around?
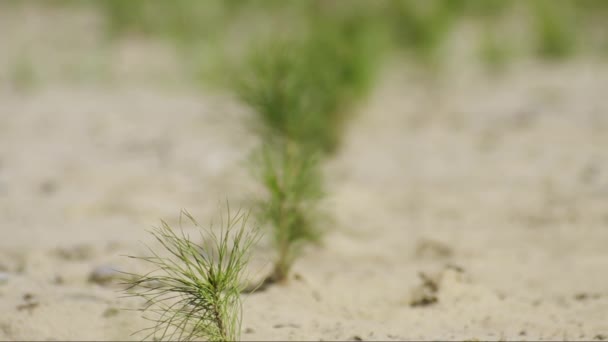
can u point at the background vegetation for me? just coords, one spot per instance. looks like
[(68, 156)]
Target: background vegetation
[(553, 28)]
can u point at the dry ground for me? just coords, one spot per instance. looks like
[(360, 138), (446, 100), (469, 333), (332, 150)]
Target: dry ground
[(495, 188)]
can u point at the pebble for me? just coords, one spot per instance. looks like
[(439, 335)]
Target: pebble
[(75, 253), (104, 275), (110, 312), (287, 325)]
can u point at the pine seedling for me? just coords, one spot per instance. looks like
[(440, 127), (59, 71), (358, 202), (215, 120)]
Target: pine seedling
[(282, 83), (300, 86), (293, 184), (194, 290), (270, 83), (282, 89), (343, 53)]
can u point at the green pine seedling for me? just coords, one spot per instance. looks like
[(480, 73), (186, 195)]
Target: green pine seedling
[(300, 87), (290, 209), (194, 290), (270, 82)]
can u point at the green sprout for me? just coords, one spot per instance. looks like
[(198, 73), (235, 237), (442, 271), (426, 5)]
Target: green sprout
[(281, 84), (300, 87), (293, 187), (194, 290)]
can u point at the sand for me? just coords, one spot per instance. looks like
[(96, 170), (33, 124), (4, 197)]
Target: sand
[(468, 207)]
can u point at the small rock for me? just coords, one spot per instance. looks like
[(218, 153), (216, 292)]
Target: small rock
[(75, 253), (58, 280), (29, 306), (48, 187), (104, 275), (422, 298), (249, 331), (426, 293), (356, 338), (454, 267), (4, 277), (431, 249), (85, 297), (600, 337), (110, 312), (288, 325)]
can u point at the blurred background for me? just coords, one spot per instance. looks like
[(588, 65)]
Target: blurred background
[(474, 133), (98, 41)]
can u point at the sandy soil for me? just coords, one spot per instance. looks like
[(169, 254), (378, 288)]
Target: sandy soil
[(469, 207)]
